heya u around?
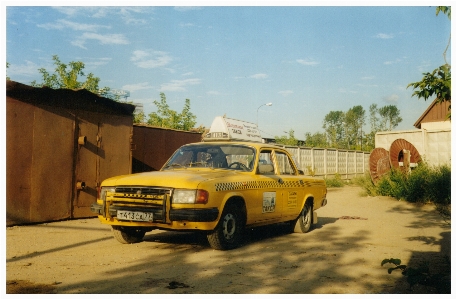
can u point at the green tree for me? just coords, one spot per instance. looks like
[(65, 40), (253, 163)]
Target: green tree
[(67, 76), (139, 117), (316, 140), (188, 119), (165, 117), (334, 128), (438, 82), (290, 140), (354, 120), (390, 117)]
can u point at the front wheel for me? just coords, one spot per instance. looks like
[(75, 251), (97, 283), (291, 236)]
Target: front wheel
[(128, 235), (304, 220), (230, 229)]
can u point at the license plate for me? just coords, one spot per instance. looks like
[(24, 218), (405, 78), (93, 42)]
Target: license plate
[(135, 216)]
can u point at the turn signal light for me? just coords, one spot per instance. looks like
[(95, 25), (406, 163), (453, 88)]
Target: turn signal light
[(202, 196)]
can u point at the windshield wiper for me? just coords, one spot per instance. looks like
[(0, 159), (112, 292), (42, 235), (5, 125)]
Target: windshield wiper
[(174, 165)]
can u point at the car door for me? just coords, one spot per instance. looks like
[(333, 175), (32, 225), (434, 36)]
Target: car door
[(291, 192), (268, 205)]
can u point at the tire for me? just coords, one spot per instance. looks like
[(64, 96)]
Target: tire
[(230, 230), (128, 235), (304, 221)]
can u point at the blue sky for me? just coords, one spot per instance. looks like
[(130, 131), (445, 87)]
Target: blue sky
[(306, 60)]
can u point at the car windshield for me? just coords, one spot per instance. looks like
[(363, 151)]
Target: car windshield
[(232, 157)]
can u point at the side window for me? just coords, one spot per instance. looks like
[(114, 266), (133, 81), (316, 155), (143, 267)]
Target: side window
[(265, 164), (285, 165)]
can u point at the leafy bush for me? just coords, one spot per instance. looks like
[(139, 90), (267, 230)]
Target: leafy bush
[(423, 184), (365, 182), (439, 187), (422, 275), (336, 181), (392, 185)]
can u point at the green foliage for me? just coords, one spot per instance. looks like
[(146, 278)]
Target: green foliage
[(423, 185), (336, 181), (345, 129), (165, 117), (334, 128), (421, 275), (390, 117), (392, 185), (316, 140), (290, 140), (365, 182), (445, 10), (310, 171), (437, 83), (439, 185), (354, 121), (67, 76), (139, 117)]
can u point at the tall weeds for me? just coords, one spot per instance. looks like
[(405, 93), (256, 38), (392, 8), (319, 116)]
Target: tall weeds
[(423, 184)]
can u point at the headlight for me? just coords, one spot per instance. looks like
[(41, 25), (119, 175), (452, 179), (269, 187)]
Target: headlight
[(104, 190), (190, 196)]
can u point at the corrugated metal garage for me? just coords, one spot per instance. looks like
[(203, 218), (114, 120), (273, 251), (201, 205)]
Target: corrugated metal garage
[(60, 144)]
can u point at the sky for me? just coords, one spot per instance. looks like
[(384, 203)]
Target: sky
[(231, 60)]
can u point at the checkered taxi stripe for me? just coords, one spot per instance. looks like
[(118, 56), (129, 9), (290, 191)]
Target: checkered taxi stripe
[(269, 184)]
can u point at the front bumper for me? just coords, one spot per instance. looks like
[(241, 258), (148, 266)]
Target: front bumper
[(191, 215)]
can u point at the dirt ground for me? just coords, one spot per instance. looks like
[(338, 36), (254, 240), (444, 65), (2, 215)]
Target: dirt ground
[(341, 255)]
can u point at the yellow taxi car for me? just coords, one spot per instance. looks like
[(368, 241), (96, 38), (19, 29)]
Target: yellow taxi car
[(220, 186)]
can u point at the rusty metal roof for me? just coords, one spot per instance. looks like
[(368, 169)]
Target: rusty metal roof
[(66, 98)]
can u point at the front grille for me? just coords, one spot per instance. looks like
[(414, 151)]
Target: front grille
[(146, 191), (135, 198)]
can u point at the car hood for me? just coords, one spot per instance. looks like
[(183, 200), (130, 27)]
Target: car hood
[(178, 178)]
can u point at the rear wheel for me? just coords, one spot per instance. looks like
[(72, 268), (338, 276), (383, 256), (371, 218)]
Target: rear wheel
[(230, 230), (304, 220), (128, 235)]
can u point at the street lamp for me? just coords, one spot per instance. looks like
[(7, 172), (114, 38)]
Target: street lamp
[(268, 104)]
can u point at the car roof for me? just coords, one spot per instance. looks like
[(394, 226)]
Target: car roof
[(246, 143)]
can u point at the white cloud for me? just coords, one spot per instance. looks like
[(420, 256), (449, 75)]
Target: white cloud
[(106, 39), (384, 36), (259, 76), (213, 93), (137, 86), (98, 62), (186, 25), (307, 62), (343, 90), (179, 85), (286, 92), (150, 59), (392, 99), (29, 69), (64, 24), (392, 61)]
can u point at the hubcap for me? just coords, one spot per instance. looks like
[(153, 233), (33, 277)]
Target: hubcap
[(229, 226), (306, 215)]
